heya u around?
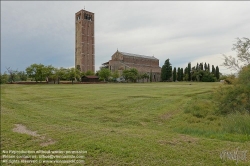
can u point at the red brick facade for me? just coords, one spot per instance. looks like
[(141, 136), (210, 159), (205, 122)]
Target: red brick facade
[(84, 41), (144, 64)]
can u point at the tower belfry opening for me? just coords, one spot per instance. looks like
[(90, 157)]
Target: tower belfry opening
[(84, 41)]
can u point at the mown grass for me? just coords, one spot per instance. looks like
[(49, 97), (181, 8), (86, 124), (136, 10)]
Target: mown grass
[(121, 124)]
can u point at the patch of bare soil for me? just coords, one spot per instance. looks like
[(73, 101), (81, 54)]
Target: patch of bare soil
[(166, 116), (19, 128)]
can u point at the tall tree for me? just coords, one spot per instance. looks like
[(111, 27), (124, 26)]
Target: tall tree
[(151, 76), (130, 74), (163, 73), (174, 74), (242, 48), (186, 74), (22, 75), (213, 70), (115, 74), (201, 66), (181, 74), (36, 71), (48, 71), (12, 74), (4, 78), (205, 66), (104, 73), (197, 66), (166, 71), (208, 67), (89, 73), (73, 74), (217, 73), (61, 74), (189, 71)]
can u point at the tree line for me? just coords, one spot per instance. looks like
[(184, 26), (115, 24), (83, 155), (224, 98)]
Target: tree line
[(39, 72), (200, 73)]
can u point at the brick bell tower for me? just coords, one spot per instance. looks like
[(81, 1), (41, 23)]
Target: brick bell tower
[(84, 41)]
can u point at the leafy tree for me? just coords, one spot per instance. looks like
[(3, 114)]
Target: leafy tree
[(49, 72), (206, 76), (236, 97), (61, 74), (208, 67), (22, 75), (174, 74), (193, 71), (73, 74), (144, 76), (35, 71), (130, 74), (89, 73), (12, 74), (242, 48), (82, 74), (4, 78), (104, 74), (115, 74)]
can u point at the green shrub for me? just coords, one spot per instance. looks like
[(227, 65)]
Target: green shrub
[(228, 79), (236, 97), (4, 78), (237, 123), (199, 108)]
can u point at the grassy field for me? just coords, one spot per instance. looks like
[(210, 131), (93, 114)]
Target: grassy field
[(120, 124)]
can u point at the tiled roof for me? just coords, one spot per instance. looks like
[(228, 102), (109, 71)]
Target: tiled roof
[(136, 55), (91, 76)]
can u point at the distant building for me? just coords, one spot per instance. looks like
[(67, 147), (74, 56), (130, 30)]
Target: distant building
[(84, 41), (90, 79), (144, 64)]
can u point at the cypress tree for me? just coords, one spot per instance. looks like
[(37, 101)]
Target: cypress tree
[(163, 73), (166, 71), (197, 66), (186, 74), (189, 71), (213, 70), (217, 73), (174, 74), (208, 67), (201, 66), (181, 74), (205, 66)]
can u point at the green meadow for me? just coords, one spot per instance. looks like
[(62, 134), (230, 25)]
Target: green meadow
[(121, 123)]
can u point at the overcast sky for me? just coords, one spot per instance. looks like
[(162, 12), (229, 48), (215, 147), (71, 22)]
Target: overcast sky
[(192, 31)]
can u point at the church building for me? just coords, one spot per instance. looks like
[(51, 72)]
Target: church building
[(144, 64)]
